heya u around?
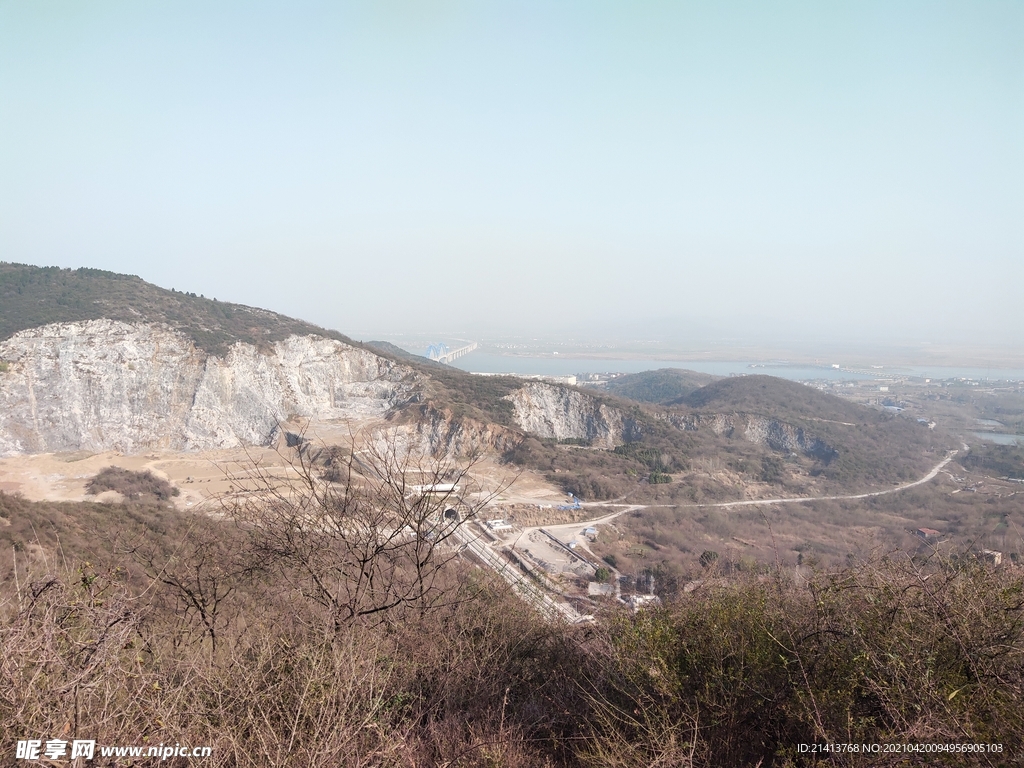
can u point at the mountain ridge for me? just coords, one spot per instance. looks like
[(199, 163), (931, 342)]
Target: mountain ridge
[(31, 297), (74, 383)]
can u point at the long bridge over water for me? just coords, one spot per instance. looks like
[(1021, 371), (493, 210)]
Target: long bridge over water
[(442, 354)]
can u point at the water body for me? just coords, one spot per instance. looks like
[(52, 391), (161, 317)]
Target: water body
[(556, 365), (945, 372), (998, 439)]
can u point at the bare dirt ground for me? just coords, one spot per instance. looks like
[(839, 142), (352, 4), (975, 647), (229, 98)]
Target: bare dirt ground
[(199, 476), (215, 474)]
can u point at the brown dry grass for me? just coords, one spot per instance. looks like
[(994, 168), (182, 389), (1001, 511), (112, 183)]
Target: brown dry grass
[(137, 624)]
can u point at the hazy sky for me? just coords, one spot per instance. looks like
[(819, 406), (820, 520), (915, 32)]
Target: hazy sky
[(480, 167)]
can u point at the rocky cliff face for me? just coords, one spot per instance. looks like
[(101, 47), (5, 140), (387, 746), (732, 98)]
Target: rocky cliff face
[(772, 433), (550, 411), (107, 385), (437, 431)]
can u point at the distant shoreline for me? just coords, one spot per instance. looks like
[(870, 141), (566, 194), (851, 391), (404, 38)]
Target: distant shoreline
[(569, 364), (995, 357), (1004, 361)]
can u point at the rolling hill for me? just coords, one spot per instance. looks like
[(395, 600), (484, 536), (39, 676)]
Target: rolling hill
[(95, 360), (662, 386), (35, 296)]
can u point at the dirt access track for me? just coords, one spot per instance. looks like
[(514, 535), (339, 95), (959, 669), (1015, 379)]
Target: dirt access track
[(213, 474), (63, 476)]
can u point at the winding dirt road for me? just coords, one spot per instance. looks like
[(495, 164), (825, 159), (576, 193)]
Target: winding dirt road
[(535, 594), (930, 476), (746, 502)]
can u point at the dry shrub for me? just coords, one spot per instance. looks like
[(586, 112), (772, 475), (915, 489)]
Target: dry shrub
[(226, 633), (736, 673), (69, 656), (472, 686), (194, 640), (131, 485), (891, 652)]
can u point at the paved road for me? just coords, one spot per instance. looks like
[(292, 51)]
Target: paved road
[(753, 502), (534, 593)]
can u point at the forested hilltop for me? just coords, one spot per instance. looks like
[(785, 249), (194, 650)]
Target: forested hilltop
[(663, 386), (34, 296)]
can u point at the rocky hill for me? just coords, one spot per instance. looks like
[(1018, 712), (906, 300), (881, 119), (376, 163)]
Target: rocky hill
[(94, 361), (105, 384), (560, 413), (31, 297)]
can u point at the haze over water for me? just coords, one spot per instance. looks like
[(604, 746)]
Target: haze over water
[(559, 365)]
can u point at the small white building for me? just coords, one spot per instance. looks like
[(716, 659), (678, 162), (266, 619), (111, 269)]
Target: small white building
[(636, 602), (436, 488), (992, 557)]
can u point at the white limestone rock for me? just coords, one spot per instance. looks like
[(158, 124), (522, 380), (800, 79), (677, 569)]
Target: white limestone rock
[(106, 385), (551, 411)]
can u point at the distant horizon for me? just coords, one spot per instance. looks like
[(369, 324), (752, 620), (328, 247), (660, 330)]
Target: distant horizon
[(1006, 359), (761, 346)]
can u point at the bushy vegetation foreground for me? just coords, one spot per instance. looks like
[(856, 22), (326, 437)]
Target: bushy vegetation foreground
[(178, 635), (131, 485)]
